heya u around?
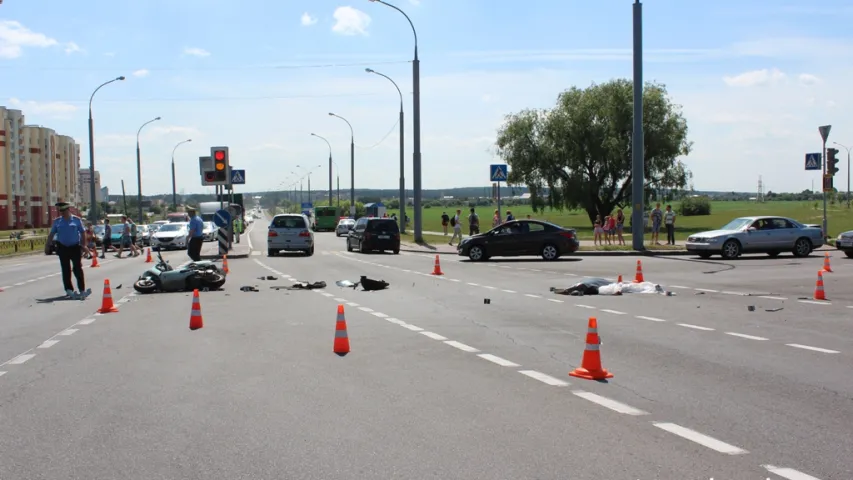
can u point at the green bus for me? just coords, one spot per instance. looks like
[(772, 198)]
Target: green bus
[(325, 218)]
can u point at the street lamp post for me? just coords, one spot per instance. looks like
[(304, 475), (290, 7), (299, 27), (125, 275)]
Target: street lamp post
[(416, 114), (139, 172), (848, 170), (93, 198), (637, 138), (174, 195), (308, 174), (351, 165), (330, 165), (402, 153)]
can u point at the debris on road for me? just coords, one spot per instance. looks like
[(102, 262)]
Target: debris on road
[(487, 301), (602, 286), (771, 310), (751, 308), (268, 277), (301, 286), (367, 284), (249, 289)]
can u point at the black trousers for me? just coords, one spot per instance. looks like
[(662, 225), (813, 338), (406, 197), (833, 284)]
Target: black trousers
[(194, 248), (670, 233), (71, 258)]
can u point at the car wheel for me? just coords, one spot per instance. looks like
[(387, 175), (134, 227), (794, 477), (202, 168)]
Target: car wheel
[(731, 249), (396, 251), (349, 246), (476, 253), (704, 256), (550, 252), (310, 251), (271, 253), (802, 247), (849, 254), (773, 254)]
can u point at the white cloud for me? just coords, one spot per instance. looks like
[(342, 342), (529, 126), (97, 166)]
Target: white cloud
[(196, 52), (350, 21), (809, 79), (72, 47), (307, 20), (141, 73), (755, 78), (415, 2), (14, 37), (48, 109)]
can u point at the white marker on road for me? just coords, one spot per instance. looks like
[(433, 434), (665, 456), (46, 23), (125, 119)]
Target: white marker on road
[(651, 319), (498, 360), (700, 438), (695, 327), (608, 403), (748, 337), (814, 349), (789, 473), (461, 346), (434, 336), (547, 379)]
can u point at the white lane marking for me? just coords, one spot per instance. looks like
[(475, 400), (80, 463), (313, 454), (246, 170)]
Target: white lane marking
[(814, 349), (615, 312), (679, 286), (651, 319), (748, 337), (70, 331), (532, 296), (771, 297), (608, 403), (534, 270), (20, 359), (413, 328), (695, 327), (555, 300), (396, 321), (789, 473), (814, 302), (48, 343), (490, 288), (706, 290), (19, 284), (340, 300), (700, 438), (352, 304), (585, 306), (86, 321), (509, 291), (461, 346), (547, 379), (325, 294), (2, 373), (498, 360), (433, 336), (454, 280), (379, 314), (733, 293), (473, 284), (365, 309)]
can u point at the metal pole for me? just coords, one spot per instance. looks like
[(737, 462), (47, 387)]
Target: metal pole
[(825, 229), (174, 195), (848, 178), (402, 177), (352, 176), (138, 184), (416, 167), (637, 140), (330, 178), (93, 198), (338, 178)]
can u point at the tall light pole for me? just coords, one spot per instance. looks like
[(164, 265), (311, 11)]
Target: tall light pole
[(139, 171), (351, 165), (174, 195), (637, 142), (416, 114), (308, 174), (330, 165), (402, 153), (848, 170), (93, 198)]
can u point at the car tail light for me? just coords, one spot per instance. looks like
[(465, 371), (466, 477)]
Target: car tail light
[(272, 234), (568, 234), (396, 236), (305, 233)]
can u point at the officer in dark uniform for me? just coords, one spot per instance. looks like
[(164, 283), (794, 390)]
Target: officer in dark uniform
[(70, 236)]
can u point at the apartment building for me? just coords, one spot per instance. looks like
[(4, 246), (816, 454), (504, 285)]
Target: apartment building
[(37, 169), (85, 178)]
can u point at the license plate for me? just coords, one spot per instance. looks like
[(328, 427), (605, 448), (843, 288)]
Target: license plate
[(384, 237)]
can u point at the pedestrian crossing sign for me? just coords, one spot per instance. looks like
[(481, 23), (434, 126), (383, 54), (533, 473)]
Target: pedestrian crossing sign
[(498, 173), (813, 161)]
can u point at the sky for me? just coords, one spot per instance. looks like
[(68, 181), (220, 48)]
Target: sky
[(755, 80)]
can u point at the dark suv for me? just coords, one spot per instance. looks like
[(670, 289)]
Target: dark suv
[(370, 233)]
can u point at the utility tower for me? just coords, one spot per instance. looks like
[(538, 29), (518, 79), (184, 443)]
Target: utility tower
[(760, 197)]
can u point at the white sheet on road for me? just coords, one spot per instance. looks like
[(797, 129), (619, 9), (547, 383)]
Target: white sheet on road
[(624, 288)]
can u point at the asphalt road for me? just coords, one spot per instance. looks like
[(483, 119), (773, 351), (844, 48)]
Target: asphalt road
[(438, 384)]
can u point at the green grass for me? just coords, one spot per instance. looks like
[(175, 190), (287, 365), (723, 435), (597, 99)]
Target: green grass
[(840, 218)]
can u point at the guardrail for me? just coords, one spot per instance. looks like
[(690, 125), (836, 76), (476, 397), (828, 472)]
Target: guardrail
[(29, 244)]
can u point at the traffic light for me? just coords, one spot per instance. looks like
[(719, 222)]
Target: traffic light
[(831, 161), (220, 165)]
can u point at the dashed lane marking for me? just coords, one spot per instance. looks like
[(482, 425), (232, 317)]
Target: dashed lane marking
[(608, 403), (532, 295), (695, 327), (814, 302), (396, 321), (748, 337), (789, 473), (86, 321), (461, 346), (365, 309), (555, 300), (771, 297), (585, 306), (814, 349), (21, 359), (416, 328), (434, 336), (509, 291), (70, 331), (48, 343), (651, 319), (546, 379), (614, 312), (498, 360), (707, 290), (701, 439), (379, 314)]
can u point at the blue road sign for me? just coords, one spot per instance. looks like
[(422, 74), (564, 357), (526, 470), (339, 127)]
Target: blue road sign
[(307, 205), (238, 177), (222, 218), (497, 173), (813, 161)]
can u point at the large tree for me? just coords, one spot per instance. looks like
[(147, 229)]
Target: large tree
[(578, 154)]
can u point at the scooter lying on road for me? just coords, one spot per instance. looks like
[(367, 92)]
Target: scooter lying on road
[(165, 278)]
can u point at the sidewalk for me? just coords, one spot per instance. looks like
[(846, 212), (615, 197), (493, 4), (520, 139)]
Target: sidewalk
[(210, 250)]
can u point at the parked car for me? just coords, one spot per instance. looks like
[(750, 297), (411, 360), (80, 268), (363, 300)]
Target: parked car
[(765, 234), (170, 236), (209, 231), (290, 232), (844, 242), (374, 234), (344, 226), (519, 238)]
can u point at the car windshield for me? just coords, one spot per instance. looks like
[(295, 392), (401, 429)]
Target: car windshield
[(736, 224), (172, 227), (117, 228), (387, 225), (292, 221), (99, 229), (346, 222), (209, 226)]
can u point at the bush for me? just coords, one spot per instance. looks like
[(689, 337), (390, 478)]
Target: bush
[(695, 206)]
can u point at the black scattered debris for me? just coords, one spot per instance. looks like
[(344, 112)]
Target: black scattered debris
[(249, 289), (307, 285), (487, 301), (268, 277), (774, 309), (699, 293), (751, 308), (118, 287), (587, 286), (367, 284)]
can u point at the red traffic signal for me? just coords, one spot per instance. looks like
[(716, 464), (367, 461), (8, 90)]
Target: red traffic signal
[(219, 155)]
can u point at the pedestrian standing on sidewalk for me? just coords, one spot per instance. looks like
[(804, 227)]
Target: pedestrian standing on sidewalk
[(456, 223), (669, 221), (196, 235), (70, 238)]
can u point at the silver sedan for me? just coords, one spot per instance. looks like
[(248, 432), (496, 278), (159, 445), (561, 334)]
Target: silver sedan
[(770, 235), (344, 227)]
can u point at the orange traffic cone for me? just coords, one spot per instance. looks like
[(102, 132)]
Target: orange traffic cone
[(619, 280), (341, 339), (826, 267), (590, 368), (196, 321), (95, 263), (225, 264), (107, 305), (437, 269), (638, 278), (819, 294), (148, 258)]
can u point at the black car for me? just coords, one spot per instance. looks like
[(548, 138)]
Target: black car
[(520, 237), (374, 234)]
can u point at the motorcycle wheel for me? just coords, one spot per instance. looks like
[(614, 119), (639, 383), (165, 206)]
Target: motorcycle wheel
[(213, 281), (145, 285)]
